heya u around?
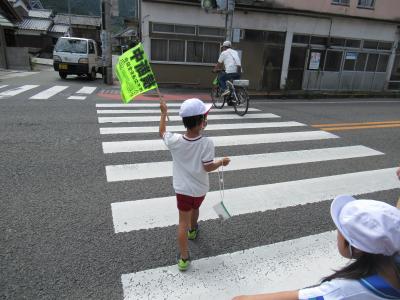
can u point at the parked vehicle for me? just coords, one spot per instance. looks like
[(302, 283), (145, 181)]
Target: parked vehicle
[(77, 56)]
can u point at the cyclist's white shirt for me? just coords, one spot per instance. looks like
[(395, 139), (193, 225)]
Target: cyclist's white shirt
[(230, 59), (189, 157)]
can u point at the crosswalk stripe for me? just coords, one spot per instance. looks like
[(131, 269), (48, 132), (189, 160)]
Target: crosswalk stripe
[(161, 212), (86, 90), (242, 162), (135, 105), (149, 111), (3, 86), (48, 93), (281, 266), (180, 128), (177, 118), (17, 91), (230, 140), (76, 97)]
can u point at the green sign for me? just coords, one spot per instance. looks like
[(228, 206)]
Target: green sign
[(134, 73)]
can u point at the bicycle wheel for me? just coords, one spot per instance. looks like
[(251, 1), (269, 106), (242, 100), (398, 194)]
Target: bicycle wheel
[(217, 100), (242, 102)]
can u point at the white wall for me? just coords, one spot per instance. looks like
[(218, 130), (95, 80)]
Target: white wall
[(194, 15)]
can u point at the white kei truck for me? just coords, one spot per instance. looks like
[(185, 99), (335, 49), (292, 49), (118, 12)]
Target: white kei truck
[(77, 56)]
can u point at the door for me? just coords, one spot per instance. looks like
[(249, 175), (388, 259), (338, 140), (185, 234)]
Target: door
[(297, 62), (272, 63)]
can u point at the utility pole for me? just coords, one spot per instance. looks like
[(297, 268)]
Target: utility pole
[(230, 7), (106, 41)]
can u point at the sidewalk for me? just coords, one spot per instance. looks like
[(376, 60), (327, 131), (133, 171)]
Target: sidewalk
[(180, 94), (6, 73)]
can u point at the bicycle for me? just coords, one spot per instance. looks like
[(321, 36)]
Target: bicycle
[(238, 96)]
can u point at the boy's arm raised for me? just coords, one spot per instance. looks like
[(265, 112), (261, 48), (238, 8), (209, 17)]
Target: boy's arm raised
[(163, 116)]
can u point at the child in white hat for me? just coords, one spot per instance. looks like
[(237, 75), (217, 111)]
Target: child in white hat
[(369, 232), (193, 158)]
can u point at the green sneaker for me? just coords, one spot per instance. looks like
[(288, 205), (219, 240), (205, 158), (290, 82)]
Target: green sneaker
[(183, 264), (192, 234)]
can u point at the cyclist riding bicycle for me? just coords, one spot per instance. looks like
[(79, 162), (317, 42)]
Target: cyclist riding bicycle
[(230, 62)]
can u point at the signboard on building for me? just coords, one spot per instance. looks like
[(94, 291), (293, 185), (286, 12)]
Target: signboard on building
[(351, 55), (315, 60)]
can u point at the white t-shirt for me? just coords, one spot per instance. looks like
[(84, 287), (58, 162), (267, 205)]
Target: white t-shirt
[(230, 59), (189, 156), (347, 289)]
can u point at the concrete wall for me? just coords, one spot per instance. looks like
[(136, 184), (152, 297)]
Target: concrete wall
[(18, 58), (383, 9), (253, 52)]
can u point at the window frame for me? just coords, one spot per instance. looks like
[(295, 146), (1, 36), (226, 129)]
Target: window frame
[(366, 6), (173, 33), (182, 62), (340, 2)]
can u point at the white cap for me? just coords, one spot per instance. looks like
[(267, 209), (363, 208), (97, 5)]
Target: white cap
[(194, 107), (368, 225), (227, 44)]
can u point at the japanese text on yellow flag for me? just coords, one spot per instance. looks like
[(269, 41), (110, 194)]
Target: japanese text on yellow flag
[(134, 73)]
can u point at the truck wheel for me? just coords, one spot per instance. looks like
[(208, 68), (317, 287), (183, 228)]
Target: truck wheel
[(62, 75)]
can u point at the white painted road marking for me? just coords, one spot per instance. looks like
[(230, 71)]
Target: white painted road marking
[(151, 111), (177, 118), (242, 162), (46, 94), (161, 212), (230, 140), (3, 86), (180, 128), (77, 97), (288, 265), (17, 91), (135, 105), (86, 90)]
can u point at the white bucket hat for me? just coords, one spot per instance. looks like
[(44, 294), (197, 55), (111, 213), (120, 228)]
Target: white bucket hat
[(368, 225), (193, 107), (227, 44)]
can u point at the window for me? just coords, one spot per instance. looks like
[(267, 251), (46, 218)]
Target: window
[(194, 51), (341, 2), (353, 43), (301, 39), (382, 63), (372, 62), (361, 61), (319, 40), (159, 50), (211, 31), (174, 29), (370, 45), (385, 45), (176, 50), (366, 3), (350, 61), (337, 42), (211, 52), (333, 61), (184, 51)]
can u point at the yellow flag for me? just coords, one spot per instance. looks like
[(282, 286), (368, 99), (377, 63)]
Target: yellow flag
[(134, 73)]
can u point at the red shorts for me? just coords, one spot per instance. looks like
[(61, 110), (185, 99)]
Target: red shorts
[(186, 203)]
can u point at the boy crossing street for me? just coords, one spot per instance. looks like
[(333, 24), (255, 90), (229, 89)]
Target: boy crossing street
[(193, 159)]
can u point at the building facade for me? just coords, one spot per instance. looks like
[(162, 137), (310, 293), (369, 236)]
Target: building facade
[(340, 45)]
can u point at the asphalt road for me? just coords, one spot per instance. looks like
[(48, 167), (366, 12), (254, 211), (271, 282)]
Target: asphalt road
[(57, 236)]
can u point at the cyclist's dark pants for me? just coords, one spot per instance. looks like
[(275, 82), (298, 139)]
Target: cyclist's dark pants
[(223, 77)]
